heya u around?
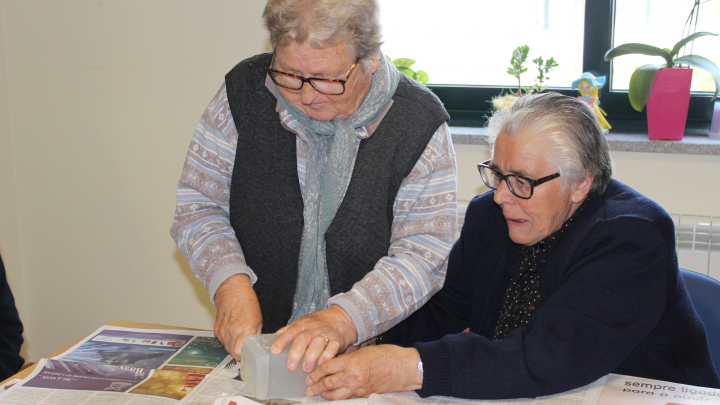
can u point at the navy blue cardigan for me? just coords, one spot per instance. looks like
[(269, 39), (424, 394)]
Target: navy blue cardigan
[(612, 302)]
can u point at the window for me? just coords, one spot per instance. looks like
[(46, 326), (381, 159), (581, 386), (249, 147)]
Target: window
[(471, 41), (465, 47), (659, 23)]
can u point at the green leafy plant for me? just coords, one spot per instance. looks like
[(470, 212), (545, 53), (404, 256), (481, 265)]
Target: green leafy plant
[(642, 78), (517, 68), (403, 65), (517, 64), (543, 67)]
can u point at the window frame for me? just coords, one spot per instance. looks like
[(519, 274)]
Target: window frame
[(468, 106)]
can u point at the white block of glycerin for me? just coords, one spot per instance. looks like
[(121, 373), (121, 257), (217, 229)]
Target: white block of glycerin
[(266, 375)]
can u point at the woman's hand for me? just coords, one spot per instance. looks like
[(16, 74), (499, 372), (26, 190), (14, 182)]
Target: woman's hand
[(238, 313), (373, 369), (319, 336)]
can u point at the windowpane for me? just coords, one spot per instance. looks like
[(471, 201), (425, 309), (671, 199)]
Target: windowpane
[(660, 23), (470, 42)]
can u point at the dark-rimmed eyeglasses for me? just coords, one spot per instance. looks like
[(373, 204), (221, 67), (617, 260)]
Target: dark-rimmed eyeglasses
[(520, 186), (333, 87)]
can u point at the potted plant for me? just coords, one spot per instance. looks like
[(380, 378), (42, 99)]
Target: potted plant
[(665, 88), (517, 68), (403, 65)]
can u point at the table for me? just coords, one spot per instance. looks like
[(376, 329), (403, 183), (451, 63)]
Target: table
[(608, 390), (125, 324)]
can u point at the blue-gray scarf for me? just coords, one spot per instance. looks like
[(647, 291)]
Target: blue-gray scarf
[(330, 155)]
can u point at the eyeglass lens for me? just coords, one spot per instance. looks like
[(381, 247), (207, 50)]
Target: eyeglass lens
[(518, 186), (323, 86)]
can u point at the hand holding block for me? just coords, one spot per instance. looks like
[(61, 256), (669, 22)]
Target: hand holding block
[(266, 375)]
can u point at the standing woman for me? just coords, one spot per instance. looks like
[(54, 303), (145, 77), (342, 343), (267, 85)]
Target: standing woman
[(320, 187)]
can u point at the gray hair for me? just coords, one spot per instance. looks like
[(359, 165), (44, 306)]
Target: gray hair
[(568, 127), (326, 23)]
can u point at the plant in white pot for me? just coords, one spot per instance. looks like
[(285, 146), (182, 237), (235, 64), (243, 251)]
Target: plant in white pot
[(665, 88)]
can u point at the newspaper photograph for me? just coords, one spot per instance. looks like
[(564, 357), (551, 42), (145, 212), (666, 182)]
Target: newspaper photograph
[(128, 348), (126, 366)]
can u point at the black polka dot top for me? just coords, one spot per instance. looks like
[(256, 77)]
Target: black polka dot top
[(522, 296)]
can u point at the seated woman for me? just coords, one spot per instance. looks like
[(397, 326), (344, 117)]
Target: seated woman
[(561, 275)]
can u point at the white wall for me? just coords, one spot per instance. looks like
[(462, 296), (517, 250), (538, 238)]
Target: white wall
[(98, 101), (9, 227), (682, 184)]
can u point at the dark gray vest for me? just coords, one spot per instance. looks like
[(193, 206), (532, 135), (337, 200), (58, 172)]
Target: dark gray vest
[(266, 205)]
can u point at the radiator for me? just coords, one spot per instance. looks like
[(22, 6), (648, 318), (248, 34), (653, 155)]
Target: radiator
[(697, 241)]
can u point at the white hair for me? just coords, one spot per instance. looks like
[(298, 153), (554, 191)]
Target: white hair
[(570, 130), (326, 23)]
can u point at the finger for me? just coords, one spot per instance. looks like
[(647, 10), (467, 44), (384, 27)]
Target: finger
[(281, 330), (316, 375), (329, 383), (314, 350), (285, 338), (229, 349), (221, 333), (325, 369), (234, 342), (241, 334), (331, 350), (234, 335), (337, 395), (219, 327), (297, 351), (237, 346)]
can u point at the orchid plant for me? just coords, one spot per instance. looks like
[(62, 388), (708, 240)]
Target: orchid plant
[(642, 78)]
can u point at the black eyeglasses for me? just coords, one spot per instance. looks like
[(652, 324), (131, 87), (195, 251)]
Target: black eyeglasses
[(333, 87), (521, 187)]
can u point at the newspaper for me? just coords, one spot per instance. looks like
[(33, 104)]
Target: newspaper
[(612, 389), (123, 366), (587, 395), (126, 366), (9, 384), (642, 391)]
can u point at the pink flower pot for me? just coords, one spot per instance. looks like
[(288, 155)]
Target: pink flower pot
[(667, 105)]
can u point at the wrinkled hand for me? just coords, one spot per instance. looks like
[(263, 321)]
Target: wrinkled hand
[(306, 335), (373, 369), (238, 313)]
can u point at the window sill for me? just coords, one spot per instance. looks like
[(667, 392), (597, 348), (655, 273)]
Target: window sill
[(689, 145)]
